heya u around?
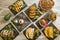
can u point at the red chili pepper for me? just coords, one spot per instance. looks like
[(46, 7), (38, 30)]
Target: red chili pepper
[(56, 30)]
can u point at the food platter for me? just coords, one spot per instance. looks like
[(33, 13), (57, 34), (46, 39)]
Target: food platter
[(9, 28), (29, 20), (53, 28)]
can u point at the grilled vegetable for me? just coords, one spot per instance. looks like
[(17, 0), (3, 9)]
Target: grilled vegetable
[(32, 8), (36, 17)]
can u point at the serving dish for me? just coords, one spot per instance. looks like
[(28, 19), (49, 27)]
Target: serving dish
[(43, 22), (33, 13), (46, 5), (51, 15), (8, 32), (51, 32), (21, 21), (17, 6), (32, 33)]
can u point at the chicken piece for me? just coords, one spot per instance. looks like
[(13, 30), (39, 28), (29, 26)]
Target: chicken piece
[(31, 16), (11, 34), (32, 8), (46, 31), (52, 16), (51, 32), (30, 33), (16, 6), (8, 33), (4, 33)]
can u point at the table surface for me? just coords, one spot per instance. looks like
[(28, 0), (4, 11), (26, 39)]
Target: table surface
[(5, 3)]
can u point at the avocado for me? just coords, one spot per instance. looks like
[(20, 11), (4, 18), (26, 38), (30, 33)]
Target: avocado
[(15, 20), (43, 21), (7, 17)]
